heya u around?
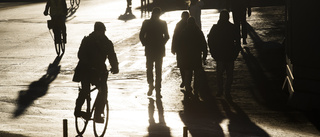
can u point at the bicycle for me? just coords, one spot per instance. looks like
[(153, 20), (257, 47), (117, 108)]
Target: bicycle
[(60, 46), (89, 109)]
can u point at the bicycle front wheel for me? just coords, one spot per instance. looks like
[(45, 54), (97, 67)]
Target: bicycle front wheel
[(100, 128)]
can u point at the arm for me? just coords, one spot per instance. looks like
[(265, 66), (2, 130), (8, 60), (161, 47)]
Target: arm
[(166, 34), (113, 60), (142, 33)]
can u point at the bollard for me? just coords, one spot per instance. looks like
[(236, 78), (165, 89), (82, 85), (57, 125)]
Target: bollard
[(185, 131), (65, 128)]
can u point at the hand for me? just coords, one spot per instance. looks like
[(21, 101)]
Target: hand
[(114, 70)]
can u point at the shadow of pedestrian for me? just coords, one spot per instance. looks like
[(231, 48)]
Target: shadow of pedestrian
[(38, 88), (159, 129), (202, 117), (239, 123)]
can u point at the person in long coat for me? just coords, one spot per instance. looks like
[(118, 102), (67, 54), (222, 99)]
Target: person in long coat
[(154, 36), (224, 45), (177, 40), (194, 52)]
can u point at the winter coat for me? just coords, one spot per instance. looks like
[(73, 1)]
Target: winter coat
[(194, 46), (177, 40), (224, 42), (92, 54), (154, 35)]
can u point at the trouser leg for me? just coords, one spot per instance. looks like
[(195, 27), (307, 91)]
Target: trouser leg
[(82, 95), (101, 98), (229, 73), (149, 66), (220, 71), (158, 69)]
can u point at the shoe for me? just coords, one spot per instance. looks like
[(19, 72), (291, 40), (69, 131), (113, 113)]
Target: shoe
[(98, 119), (151, 87)]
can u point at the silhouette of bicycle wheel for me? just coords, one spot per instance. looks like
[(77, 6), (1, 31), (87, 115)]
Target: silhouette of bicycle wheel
[(100, 128)]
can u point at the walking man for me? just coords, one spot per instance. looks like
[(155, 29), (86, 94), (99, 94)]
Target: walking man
[(154, 35), (177, 41), (194, 51), (224, 44)]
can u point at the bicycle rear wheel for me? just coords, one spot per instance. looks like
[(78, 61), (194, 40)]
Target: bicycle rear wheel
[(100, 128), (82, 122)]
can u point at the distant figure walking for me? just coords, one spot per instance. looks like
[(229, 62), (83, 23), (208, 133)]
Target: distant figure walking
[(58, 13), (94, 50), (192, 53), (177, 42), (239, 9), (154, 35), (195, 11), (224, 44)]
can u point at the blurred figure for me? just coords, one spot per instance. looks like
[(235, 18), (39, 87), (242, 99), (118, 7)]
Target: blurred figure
[(239, 10), (224, 44), (58, 13), (91, 68), (195, 11), (193, 52), (177, 41), (128, 13), (154, 35)]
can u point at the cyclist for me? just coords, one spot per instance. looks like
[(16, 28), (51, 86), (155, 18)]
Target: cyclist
[(91, 68), (58, 13)]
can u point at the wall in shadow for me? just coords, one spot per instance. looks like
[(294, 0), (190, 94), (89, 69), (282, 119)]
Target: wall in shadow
[(37, 88), (267, 67), (159, 129)]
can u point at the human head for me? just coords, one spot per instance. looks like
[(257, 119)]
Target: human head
[(99, 27), (156, 12), (191, 21), (224, 15), (185, 15)]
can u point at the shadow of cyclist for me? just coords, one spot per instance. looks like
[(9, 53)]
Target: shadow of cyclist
[(38, 88)]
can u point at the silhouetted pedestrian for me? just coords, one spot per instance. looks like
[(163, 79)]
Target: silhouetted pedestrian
[(154, 35), (224, 44), (91, 68), (239, 10), (195, 11), (177, 42), (193, 52), (58, 12)]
